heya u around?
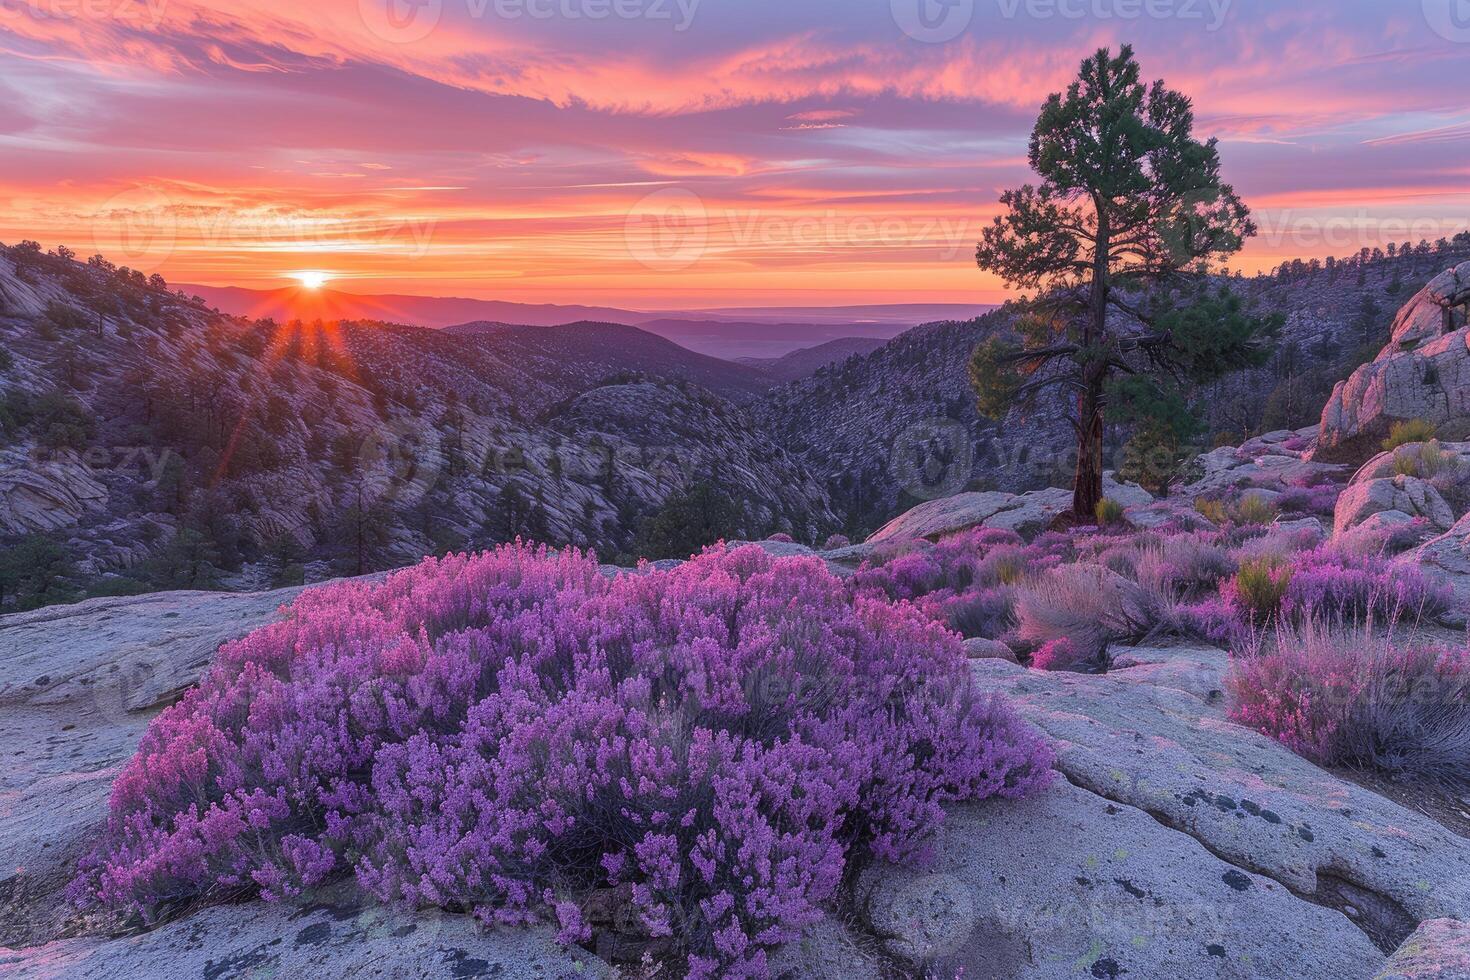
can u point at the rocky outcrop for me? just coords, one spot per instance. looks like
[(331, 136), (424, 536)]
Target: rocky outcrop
[(78, 685), (323, 934), (1154, 737), (19, 297), (1026, 513), (38, 496), (1449, 556), (1423, 373), (1401, 498), (1071, 884), (1268, 462)]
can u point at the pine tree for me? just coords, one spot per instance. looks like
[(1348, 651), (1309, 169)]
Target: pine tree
[(1128, 215)]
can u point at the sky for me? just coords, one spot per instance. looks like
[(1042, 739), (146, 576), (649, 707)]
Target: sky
[(677, 153)]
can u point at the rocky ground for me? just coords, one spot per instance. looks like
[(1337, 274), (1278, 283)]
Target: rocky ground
[(1177, 844), (136, 424)]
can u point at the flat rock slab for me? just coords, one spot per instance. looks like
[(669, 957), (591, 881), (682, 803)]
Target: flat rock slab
[(323, 939), (140, 650), (1071, 885), (1155, 737)]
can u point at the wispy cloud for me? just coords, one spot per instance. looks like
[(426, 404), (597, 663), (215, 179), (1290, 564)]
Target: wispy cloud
[(226, 140)]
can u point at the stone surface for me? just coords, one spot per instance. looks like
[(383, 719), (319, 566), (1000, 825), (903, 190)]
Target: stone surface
[(133, 652), (1423, 373), (1438, 950), (1027, 513), (78, 685), (936, 518), (1301, 525), (1405, 494), (827, 950), (1449, 556), (47, 495), (1382, 466), (331, 936), (1259, 465), (980, 648), (1069, 884), (1155, 737)]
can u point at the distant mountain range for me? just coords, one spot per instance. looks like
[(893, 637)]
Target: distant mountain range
[(763, 332), (806, 362), (618, 347)]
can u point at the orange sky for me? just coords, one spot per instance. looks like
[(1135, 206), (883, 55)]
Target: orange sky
[(676, 153)]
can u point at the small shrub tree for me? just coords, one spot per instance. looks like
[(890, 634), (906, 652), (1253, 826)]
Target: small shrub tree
[(689, 520)]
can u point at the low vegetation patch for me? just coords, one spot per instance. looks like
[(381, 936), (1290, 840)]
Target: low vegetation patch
[(512, 732), (1404, 433), (1254, 508), (1355, 696), (1109, 512)]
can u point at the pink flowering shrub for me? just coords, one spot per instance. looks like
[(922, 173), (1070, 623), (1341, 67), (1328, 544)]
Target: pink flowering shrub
[(1062, 654), (508, 732), (966, 581), (1338, 585), (1318, 501), (837, 542), (781, 537), (1356, 697)]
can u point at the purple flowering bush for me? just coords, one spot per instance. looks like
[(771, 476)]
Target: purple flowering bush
[(968, 581), (509, 733), (1338, 585), (1357, 696)]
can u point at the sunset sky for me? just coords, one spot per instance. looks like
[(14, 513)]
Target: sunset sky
[(672, 153)]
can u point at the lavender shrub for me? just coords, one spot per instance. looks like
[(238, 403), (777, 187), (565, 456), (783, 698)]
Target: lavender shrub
[(510, 732)]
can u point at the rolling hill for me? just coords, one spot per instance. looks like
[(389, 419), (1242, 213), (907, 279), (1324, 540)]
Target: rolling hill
[(729, 333)]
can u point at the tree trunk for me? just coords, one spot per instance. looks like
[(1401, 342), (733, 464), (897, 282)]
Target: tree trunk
[(1087, 484)]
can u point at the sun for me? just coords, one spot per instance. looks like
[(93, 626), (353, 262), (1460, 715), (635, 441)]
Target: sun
[(312, 279)]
